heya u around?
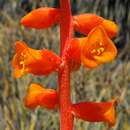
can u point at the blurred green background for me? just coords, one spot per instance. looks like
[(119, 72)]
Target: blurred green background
[(101, 84)]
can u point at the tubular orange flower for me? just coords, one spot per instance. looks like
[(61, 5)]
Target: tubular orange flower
[(38, 62), (39, 96), (74, 54), (41, 18), (97, 48), (86, 22), (96, 112)]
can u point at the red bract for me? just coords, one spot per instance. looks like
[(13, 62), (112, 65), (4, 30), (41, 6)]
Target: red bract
[(91, 51)]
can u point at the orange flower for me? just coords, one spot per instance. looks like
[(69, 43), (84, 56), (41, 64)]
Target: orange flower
[(96, 112), (86, 22), (97, 48), (74, 54), (38, 62), (41, 18), (39, 96)]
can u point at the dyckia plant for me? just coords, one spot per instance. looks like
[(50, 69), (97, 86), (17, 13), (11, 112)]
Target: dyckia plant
[(94, 49)]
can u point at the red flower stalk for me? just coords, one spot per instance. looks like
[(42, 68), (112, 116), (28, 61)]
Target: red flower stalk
[(91, 51), (66, 29)]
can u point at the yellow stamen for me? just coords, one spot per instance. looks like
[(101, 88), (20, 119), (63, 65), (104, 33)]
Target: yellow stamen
[(100, 50), (97, 51), (101, 44), (21, 62), (93, 51)]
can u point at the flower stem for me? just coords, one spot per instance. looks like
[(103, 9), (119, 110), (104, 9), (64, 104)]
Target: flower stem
[(66, 29)]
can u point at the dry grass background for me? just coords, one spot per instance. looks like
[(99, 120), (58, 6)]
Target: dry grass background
[(101, 84)]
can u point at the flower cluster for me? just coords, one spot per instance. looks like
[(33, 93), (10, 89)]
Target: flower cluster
[(94, 49)]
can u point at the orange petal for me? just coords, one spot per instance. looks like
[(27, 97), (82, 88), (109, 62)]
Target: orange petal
[(110, 27), (49, 62), (106, 57), (86, 22), (95, 37), (97, 48), (41, 18), (20, 46), (110, 50), (96, 112), (88, 62), (17, 73), (38, 62), (39, 96)]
